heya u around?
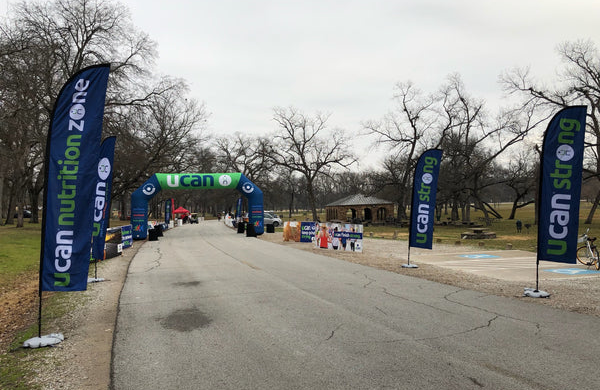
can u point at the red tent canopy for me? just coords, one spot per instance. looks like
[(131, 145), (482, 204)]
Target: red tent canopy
[(181, 210)]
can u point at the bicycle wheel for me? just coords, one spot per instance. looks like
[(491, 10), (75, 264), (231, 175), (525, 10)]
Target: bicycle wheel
[(585, 256), (596, 258)]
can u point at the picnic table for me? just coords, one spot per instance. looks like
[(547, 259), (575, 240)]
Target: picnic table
[(478, 233)]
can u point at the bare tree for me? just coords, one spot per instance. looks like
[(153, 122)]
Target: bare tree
[(304, 145), (246, 154), (521, 179), (407, 131), (161, 135), (41, 46), (473, 141), (577, 83)]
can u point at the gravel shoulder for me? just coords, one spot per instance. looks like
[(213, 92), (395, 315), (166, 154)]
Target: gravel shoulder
[(83, 360)]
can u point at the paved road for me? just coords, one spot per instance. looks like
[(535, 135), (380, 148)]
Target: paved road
[(207, 308)]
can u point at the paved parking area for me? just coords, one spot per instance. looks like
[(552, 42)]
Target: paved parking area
[(513, 265)]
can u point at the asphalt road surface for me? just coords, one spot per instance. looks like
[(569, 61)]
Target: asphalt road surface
[(208, 308)]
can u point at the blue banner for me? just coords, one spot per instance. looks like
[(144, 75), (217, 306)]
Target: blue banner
[(307, 231), (72, 151), (422, 210), (127, 236), (238, 209), (168, 210), (102, 196), (560, 185)]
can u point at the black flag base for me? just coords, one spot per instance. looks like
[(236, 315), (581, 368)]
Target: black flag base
[(535, 293), (410, 266), (44, 341)]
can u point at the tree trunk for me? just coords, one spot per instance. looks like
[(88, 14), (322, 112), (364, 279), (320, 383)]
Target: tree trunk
[(590, 216), (311, 200), (468, 212), (513, 210), (291, 204), (1, 198), (11, 206)]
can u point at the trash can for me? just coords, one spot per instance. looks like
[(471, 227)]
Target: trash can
[(241, 226), (250, 230), (152, 234), (270, 228)]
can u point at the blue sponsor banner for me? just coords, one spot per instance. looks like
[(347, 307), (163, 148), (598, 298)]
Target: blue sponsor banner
[(102, 196), (307, 231), (72, 151), (422, 211), (339, 236), (238, 209), (560, 185), (127, 236), (168, 204)]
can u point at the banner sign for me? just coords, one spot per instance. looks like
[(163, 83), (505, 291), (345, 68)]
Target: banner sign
[(290, 231), (308, 231), (126, 235), (238, 209), (339, 236), (299, 231), (72, 151), (168, 210), (560, 185), (102, 196), (422, 210)]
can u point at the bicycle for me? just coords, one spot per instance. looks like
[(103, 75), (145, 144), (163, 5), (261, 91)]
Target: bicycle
[(588, 254)]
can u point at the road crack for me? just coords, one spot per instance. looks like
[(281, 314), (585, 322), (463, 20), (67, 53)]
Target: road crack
[(537, 325), (156, 263), (333, 332)]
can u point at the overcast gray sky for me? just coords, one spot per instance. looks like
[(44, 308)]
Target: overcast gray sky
[(244, 57)]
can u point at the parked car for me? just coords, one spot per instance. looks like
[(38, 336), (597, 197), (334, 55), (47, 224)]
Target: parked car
[(26, 214), (272, 219)]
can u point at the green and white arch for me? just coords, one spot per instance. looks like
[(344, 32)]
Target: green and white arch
[(194, 181)]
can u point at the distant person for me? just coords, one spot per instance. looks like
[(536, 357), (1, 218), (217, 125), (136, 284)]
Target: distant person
[(519, 226), (344, 240), (324, 238), (335, 240)]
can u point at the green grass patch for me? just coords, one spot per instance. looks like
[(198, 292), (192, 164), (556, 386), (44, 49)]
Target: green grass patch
[(20, 257), (16, 371), (20, 251), (18, 365)]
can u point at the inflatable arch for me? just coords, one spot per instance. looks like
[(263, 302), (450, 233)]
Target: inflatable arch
[(190, 181)]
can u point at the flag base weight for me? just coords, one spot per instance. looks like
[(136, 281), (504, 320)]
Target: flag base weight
[(410, 266), (533, 293), (44, 341)]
